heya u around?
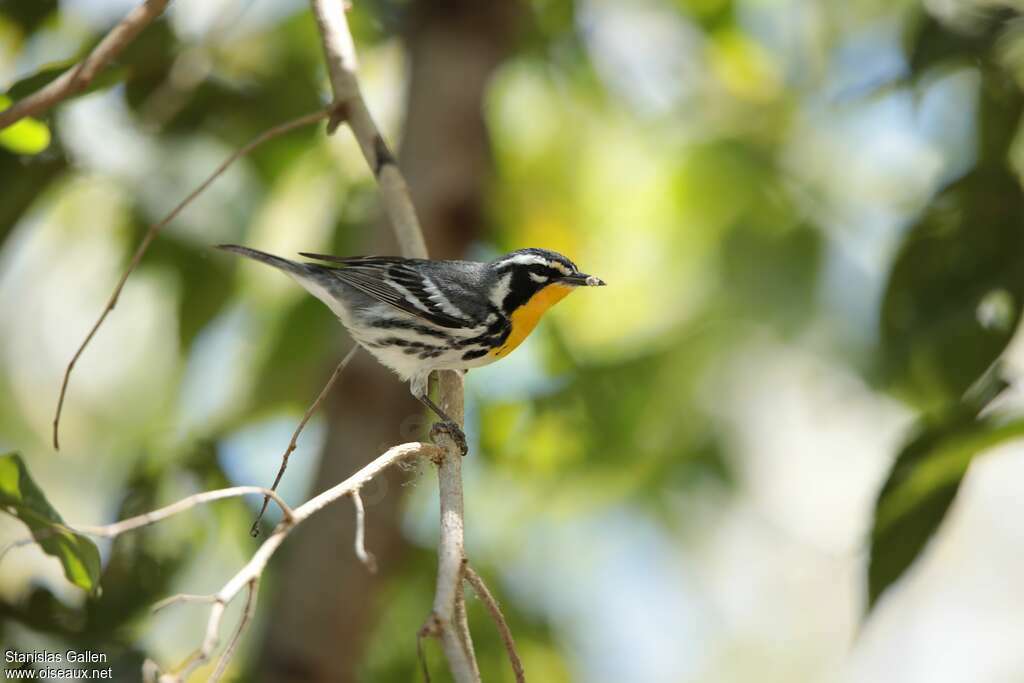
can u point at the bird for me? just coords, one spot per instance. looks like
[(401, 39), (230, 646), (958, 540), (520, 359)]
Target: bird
[(416, 316)]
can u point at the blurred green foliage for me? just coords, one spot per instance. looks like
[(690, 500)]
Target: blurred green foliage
[(725, 177)]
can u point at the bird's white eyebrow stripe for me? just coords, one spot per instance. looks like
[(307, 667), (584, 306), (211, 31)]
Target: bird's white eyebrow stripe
[(526, 260), (537, 260)]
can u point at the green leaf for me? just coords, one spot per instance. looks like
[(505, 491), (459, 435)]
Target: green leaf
[(28, 136), (936, 339), (50, 72), (22, 498), (920, 488)]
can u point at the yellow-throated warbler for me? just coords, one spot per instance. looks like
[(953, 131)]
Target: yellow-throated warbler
[(417, 315)]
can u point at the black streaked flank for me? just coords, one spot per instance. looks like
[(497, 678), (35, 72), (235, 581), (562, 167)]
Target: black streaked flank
[(398, 341), (495, 334), (394, 324), (477, 353)]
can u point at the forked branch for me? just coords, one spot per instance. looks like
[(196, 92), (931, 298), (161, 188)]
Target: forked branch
[(247, 578)]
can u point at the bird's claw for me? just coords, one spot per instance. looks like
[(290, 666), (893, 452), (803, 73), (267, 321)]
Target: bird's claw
[(453, 432)]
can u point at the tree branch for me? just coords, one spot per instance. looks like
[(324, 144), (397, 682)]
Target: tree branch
[(447, 619), (78, 77), (248, 576), (349, 107), (132, 523), (151, 234)]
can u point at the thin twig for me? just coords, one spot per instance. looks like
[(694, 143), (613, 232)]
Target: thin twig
[(179, 598), (79, 76), (151, 233), (117, 528), (20, 543), (477, 582), (205, 651), (460, 622), (368, 560), (429, 629), (247, 614), (112, 530), (293, 444)]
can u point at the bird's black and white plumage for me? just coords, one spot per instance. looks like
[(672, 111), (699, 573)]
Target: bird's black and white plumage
[(418, 315)]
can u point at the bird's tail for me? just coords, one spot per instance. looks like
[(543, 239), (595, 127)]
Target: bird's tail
[(319, 281), (290, 267)]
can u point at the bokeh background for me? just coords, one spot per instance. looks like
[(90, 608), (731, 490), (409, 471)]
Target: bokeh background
[(810, 218)]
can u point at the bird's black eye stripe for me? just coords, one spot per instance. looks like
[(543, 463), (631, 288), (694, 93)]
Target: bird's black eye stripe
[(521, 288)]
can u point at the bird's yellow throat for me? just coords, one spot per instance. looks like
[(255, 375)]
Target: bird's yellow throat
[(525, 318)]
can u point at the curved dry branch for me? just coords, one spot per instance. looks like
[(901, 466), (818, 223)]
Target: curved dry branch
[(132, 523), (368, 560), (151, 234), (78, 77), (249, 575)]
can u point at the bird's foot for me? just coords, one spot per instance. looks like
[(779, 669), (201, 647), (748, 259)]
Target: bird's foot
[(451, 431)]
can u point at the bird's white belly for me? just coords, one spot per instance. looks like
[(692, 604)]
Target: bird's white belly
[(408, 364)]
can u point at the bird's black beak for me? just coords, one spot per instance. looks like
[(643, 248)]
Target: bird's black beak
[(583, 280)]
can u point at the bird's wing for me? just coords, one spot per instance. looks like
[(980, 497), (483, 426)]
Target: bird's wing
[(395, 281)]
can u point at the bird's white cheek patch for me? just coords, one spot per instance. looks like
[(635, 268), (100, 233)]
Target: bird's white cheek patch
[(501, 290)]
